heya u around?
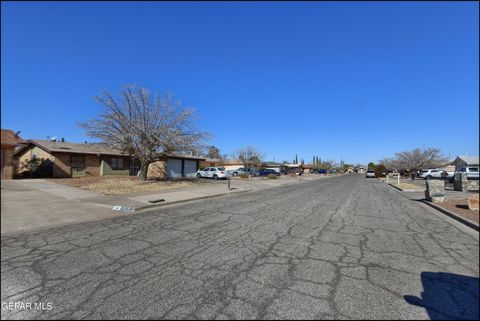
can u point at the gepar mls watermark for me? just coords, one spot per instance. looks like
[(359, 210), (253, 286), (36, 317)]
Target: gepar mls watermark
[(21, 305)]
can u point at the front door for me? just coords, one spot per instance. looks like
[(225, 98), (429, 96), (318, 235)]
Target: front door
[(77, 165), (134, 166)]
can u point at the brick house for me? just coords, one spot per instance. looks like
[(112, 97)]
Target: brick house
[(44, 158), (9, 142)]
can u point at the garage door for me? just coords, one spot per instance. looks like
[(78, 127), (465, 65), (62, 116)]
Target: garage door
[(190, 168), (174, 168)]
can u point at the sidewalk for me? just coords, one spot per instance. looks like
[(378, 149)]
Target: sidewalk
[(32, 204), (416, 191), (145, 200), (27, 208)]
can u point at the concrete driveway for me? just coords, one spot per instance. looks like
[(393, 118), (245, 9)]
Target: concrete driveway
[(37, 204)]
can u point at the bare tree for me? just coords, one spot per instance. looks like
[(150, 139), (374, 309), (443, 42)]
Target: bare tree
[(390, 163), (213, 152), (249, 156), (415, 159), (418, 159), (147, 127)]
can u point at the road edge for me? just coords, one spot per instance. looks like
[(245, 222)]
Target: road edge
[(453, 215)]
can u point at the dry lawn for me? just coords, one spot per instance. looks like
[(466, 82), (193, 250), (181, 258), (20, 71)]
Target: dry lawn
[(114, 185), (460, 207)]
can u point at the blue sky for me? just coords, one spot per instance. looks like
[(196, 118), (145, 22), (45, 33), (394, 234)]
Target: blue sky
[(341, 80)]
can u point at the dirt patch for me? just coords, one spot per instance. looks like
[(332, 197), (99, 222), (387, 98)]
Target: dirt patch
[(113, 185), (460, 207)]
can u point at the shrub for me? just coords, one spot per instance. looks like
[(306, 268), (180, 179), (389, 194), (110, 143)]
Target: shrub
[(244, 175), (380, 170), (272, 176)]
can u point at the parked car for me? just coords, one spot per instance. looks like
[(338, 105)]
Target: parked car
[(448, 176), (213, 172), (238, 171), (265, 172), (431, 173), (471, 171), (370, 173)]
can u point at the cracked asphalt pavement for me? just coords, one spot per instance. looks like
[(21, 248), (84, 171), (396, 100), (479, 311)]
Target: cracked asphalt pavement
[(339, 248)]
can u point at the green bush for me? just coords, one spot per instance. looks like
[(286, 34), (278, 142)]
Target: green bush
[(272, 176), (244, 175)]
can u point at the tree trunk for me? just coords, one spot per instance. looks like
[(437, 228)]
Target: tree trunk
[(144, 171)]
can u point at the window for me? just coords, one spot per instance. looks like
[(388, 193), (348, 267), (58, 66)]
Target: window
[(117, 163), (77, 161)]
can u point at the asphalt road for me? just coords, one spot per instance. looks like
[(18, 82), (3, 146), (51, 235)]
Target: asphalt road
[(345, 247)]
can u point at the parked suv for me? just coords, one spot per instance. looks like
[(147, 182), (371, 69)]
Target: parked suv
[(264, 172), (431, 173), (213, 172), (472, 172)]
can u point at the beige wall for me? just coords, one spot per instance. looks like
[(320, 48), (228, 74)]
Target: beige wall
[(23, 163)]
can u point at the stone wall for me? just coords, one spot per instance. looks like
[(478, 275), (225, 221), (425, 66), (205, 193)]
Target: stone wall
[(435, 191), (460, 182), (473, 185)]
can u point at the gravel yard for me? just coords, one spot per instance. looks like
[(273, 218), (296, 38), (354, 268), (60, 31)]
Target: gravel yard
[(114, 185), (460, 207)]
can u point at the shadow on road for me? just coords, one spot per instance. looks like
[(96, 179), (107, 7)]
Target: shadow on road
[(448, 296)]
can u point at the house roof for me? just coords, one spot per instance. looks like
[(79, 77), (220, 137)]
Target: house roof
[(225, 162), (268, 163), (185, 156), (89, 148), (76, 148), (292, 165), (9, 137), (470, 160)]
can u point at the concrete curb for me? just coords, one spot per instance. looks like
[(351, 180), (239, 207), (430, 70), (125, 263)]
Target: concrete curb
[(395, 187), (404, 190), (143, 207), (453, 215)]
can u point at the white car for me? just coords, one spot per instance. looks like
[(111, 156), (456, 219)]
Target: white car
[(431, 173), (212, 172), (370, 173)]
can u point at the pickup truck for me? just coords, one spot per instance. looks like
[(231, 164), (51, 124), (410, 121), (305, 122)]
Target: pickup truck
[(472, 172)]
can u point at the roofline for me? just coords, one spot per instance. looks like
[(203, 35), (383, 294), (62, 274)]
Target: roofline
[(48, 150), (185, 156)]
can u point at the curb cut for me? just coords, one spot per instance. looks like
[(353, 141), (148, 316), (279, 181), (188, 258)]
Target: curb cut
[(463, 220), (143, 207)]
